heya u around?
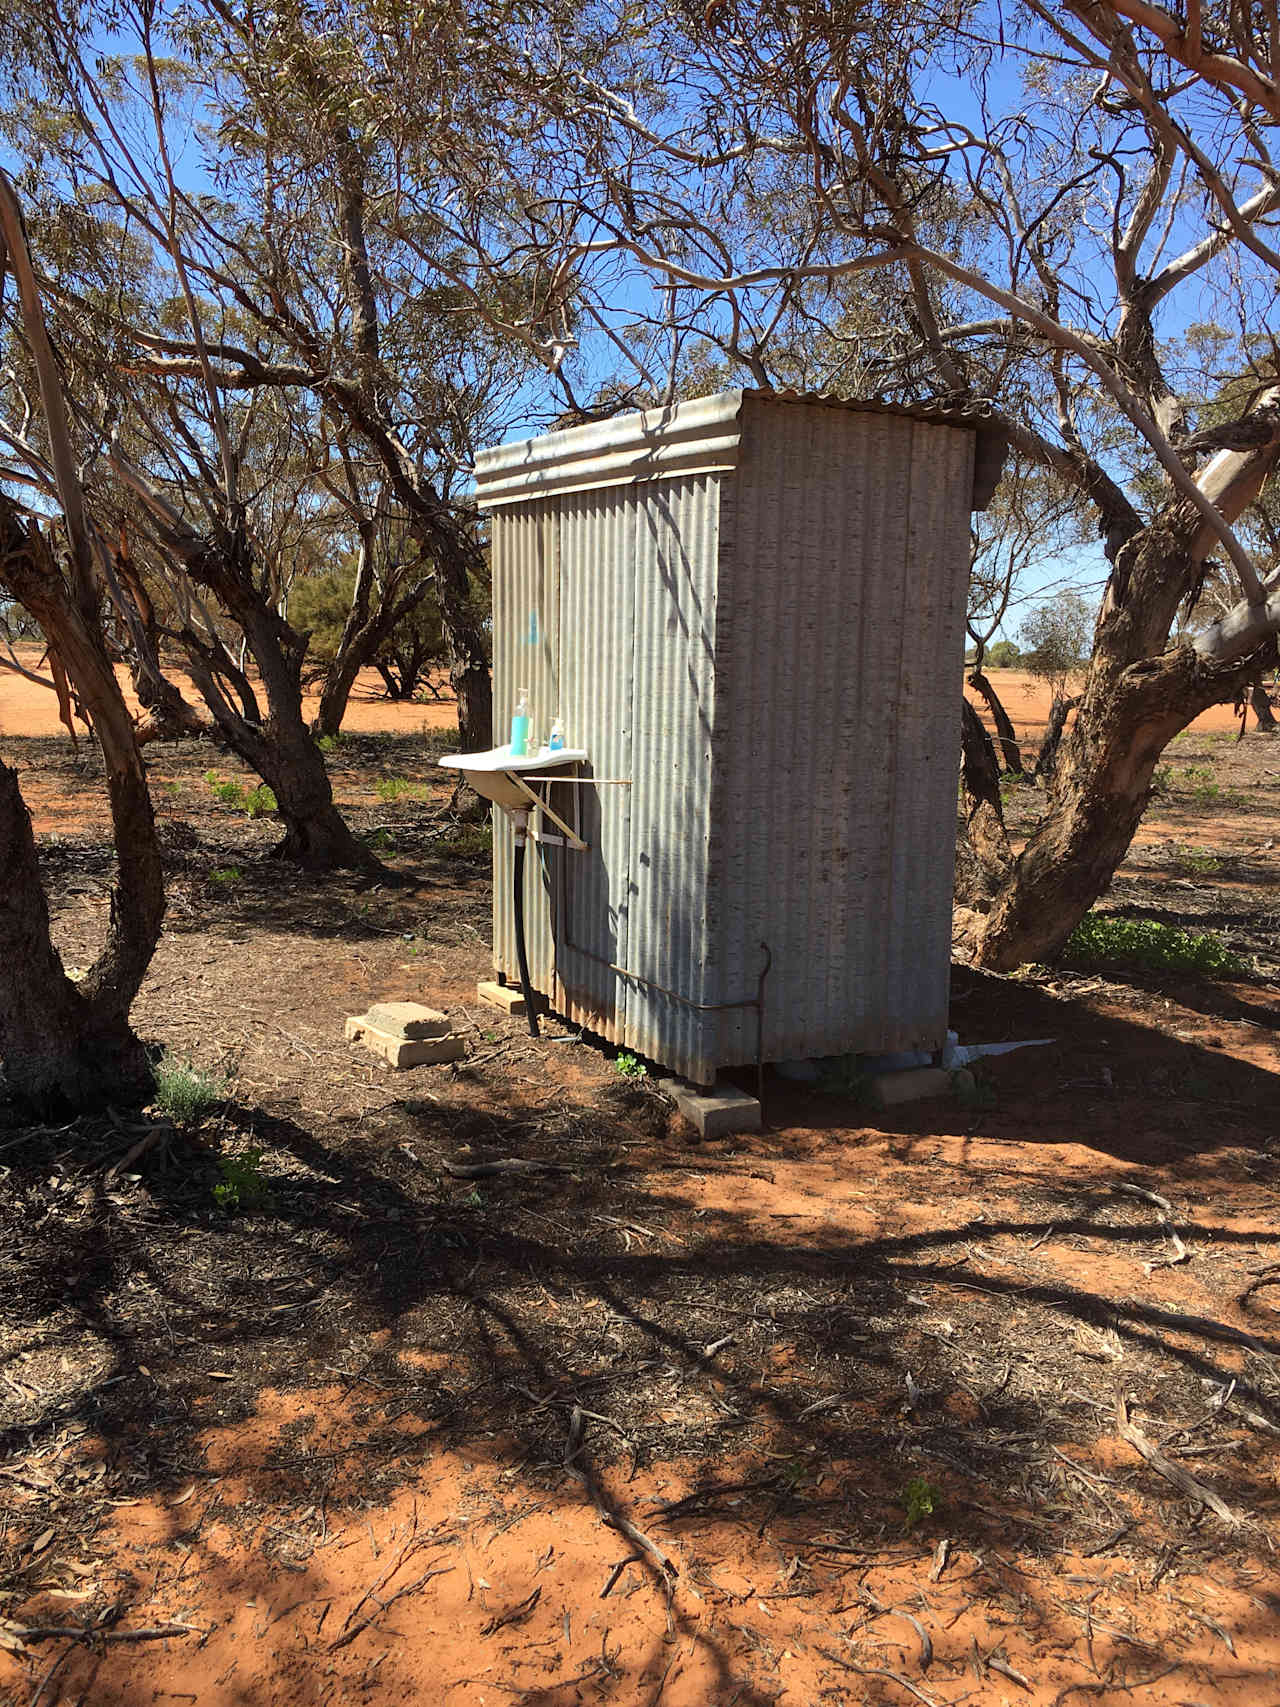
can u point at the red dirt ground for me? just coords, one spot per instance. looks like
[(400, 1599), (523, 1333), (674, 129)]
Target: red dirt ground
[(335, 1440)]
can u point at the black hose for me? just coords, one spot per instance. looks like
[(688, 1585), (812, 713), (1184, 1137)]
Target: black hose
[(518, 902)]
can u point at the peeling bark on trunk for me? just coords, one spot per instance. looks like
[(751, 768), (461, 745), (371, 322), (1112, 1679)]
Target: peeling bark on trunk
[(58, 1041), (1010, 751)]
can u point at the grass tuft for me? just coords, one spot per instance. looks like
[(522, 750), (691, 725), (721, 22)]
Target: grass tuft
[(184, 1092), (400, 788)]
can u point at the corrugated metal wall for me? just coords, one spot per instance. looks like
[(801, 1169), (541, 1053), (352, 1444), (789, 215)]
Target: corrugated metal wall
[(673, 715), (844, 553), (771, 656), (526, 653), (623, 650)]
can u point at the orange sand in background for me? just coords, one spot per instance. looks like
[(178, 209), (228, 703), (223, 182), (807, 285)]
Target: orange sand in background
[(26, 709), (1027, 701)]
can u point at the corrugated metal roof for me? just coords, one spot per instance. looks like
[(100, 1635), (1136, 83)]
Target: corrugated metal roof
[(701, 436)]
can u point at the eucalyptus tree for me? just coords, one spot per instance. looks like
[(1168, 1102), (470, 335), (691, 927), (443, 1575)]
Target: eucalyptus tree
[(318, 236), (1050, 192), (65, 1042)]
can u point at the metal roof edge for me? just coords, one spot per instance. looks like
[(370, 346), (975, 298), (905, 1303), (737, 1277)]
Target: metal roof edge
[(700, 436)]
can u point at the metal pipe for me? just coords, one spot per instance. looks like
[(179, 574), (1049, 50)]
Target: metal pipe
[(526, 983)]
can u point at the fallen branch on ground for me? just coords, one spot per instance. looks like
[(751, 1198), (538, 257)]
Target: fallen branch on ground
[(615, 1520), (1181, 1253), (1169, 1470), (87, 1633), (504, 1165), (880, 1671), (150, 1140)]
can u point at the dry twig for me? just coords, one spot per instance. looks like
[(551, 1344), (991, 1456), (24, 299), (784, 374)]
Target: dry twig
[(1172, 1472), (615, 1520)]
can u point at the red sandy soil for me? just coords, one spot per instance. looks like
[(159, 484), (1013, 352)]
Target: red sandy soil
[(336, 1441), (27, 709)]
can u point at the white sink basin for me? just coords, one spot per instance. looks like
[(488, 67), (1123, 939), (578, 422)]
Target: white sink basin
[(492, 774)]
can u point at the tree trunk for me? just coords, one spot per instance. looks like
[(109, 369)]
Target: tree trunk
[(358, 647), (280, 748), (1047, 757), (59, 1042), (1261, 705), (1138, 694), (353, 648), (1005, 734), (468, 653), (58, 1049), (987, 835), (1125, 721), (335, 694), (169, 717)]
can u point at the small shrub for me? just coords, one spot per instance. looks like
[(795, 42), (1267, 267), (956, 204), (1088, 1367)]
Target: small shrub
[(259, 801), (400, 788), (254, 801), (920, 1498), (630, 1066), (226, 875), (229, 793), (1104, 939), (1195, 862), (472, 841), (1162, 780), (242, 1187), (328, 743), (184, 1092), (381, 841)]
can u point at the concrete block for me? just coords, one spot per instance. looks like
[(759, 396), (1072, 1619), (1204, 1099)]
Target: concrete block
[(503, 996), (404, 1051), (912, 1086), (408, 1019), (718, 1113)]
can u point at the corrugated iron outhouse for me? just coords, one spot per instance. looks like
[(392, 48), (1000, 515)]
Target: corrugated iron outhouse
[(748, 610)]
